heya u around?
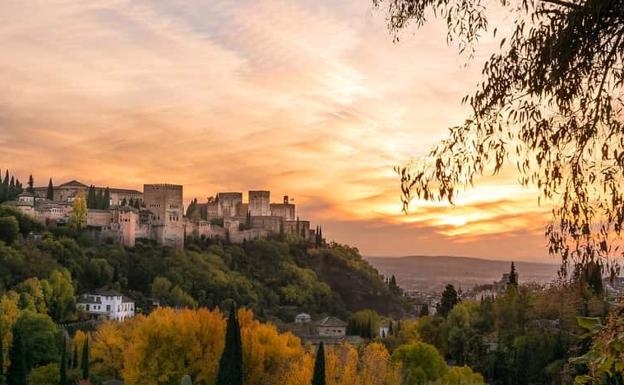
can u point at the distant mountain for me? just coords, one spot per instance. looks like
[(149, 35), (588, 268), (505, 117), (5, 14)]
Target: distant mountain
[(432, 273)]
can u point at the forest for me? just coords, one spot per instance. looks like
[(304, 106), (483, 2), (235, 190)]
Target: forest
[(528, 335)]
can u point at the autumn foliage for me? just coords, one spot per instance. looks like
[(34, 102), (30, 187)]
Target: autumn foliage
[(166, 345)]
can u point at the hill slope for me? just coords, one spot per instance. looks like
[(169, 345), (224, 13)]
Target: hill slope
[(431, 273)]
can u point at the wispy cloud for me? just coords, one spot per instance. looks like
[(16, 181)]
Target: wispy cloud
[(307, 98)]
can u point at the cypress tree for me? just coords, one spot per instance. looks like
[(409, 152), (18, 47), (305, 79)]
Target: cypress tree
[(74, 364), (99, 200), (91, 198), (85, 359), (106, 199), (319, 367), (17, 373), (320, 236), (63, 365), (50, 194), (231, 363), (513, 275), (31, 184)]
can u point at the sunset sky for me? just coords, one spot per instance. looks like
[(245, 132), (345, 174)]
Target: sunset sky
[(306, 98)]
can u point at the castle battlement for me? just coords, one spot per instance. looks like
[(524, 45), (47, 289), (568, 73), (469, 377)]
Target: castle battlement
[(159, 214)]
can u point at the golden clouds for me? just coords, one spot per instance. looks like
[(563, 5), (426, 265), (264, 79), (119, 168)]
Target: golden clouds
[(306, 98)]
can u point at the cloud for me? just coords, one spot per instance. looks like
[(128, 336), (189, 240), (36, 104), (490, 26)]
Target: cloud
[(309, 99)]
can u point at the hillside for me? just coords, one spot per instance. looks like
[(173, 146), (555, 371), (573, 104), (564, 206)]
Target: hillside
[(431, 273), (274, 277)]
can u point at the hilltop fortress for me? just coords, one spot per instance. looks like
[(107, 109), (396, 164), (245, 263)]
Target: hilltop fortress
[(158, 213)]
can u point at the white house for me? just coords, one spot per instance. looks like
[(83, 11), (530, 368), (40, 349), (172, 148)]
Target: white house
[(107, 304)]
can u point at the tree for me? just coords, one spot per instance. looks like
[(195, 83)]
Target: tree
[(106, 199), (16, 375), (78, 217), (84, 362), (31, 185), (231, 362), (513, 275), (318, 377), (44, 375), (424, 310), (74, 361), (50, 193), (59, 292), (421, 363), (2, 378), (449, 299), (92, 198), (550, 98), (63, 365), (9, 229)]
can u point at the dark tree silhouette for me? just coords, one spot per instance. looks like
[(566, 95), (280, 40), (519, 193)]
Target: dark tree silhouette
[(448, 301), (318, 377), (513, 275), (550, 102), (50, 192), (84, 362), (231, 363)]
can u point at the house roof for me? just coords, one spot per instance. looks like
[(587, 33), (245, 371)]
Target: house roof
[(73, 183), (332, 322)]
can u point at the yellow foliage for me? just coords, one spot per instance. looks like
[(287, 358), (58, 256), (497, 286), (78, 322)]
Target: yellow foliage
[(170, 343), (164, 346), (9, 313), (270, 357)]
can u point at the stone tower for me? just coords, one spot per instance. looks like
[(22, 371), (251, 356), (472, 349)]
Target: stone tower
[(165, 203), (259, 203)]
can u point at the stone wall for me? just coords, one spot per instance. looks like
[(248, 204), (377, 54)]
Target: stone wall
[(259, 203)]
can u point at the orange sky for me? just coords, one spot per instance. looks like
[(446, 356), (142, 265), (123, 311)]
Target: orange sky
[(306, 98)]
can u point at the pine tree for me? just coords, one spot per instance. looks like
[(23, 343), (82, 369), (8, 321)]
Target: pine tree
[(318, 377), (50, 194), (424, 310), (231, 363), (85, 359), (390, 328), (321, 242), (513, 275), (99, 200), (31, 184), (91, 198), (63, 364), (449, 300), (106, 199), (12, 189), (74, 364), (17, 373)]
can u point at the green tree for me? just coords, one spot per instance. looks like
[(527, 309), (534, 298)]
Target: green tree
[(550, 101), (92, 198), (421, 363), (74, 362), (424, 310), (318, 378), (38, 335), (50, 193), (231, 363), (44, 375), (18, 371), (84, 362), (106, 199), (513, 275), (60, 296), (31, 185), (449, 299), (78, 217), (9, 229), (63, 366)]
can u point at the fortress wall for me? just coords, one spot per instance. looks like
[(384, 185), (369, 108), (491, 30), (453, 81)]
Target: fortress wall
[(259, 203)]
